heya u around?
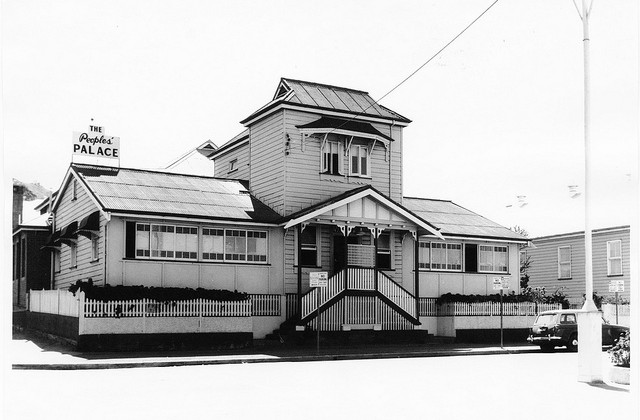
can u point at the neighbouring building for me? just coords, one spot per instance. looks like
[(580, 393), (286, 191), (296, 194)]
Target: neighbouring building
[(313, 184), (558, 261), (31, 264), (194, 162)]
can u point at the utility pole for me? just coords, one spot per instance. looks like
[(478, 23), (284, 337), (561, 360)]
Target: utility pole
[(589, 322)]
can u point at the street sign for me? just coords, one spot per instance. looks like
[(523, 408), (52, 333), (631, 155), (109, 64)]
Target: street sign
[(318, 279), (500, 283), (616, 286)]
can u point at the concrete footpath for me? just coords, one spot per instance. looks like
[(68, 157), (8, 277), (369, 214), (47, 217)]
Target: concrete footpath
[(39, 352)]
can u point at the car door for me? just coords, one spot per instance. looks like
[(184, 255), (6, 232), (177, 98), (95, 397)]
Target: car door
[(568, 326)]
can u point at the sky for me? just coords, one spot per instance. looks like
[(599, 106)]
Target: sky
[(498, 114)]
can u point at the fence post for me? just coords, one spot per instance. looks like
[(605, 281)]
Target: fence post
[(81, 319), (199, 314)]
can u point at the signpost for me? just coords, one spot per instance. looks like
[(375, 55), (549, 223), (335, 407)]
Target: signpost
[(318, 279), (501, 283), (616, 286)]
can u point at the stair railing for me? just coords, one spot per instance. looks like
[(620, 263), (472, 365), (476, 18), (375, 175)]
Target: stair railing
[(396, 294), (335, 285)]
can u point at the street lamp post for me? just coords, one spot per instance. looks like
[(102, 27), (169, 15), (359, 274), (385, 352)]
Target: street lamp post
[(589, 322)]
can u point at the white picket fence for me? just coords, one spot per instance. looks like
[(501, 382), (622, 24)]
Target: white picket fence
[(57, 302), (63, 302), (493, 308), (151, 308)]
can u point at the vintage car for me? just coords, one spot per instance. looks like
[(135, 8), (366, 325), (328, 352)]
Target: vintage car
[(560, 328)]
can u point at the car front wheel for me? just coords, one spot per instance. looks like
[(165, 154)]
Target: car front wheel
[(573, 343)]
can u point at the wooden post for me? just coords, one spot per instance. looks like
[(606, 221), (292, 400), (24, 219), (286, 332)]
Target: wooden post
[(375, 261), (299, 250), (416, 269), (346, 273)]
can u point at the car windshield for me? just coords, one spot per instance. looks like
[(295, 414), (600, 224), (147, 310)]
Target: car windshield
[(545, 319)]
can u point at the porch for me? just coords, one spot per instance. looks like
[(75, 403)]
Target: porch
[(360, 240)]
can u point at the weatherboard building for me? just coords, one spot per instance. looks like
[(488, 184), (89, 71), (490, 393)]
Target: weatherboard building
[(313, 184)]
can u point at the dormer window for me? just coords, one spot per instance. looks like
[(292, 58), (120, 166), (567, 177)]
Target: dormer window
[(359, 161), (331, 160)]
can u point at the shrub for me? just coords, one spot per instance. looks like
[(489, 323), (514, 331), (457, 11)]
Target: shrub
[(159, 294), (620, 354), (529, 295)]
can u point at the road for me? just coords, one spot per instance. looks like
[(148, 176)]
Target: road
[(508, 386)]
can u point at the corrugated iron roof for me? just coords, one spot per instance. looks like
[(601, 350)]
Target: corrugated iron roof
[(453, 219), (327, 97), (149, 192)]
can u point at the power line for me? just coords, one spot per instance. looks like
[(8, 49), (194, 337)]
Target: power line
[(436, 54), (376, 102)]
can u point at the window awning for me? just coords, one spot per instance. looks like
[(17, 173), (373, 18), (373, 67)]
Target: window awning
[(346, 127), (68, 233), (53, 240), (89, 225)]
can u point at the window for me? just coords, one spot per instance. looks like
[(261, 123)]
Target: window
[(73, 259), (162, 241), (614, 258), (383, 258), (564, 262), (15, 260), (358, 161), (74, 190), (331, 159), (94, 248), (256, 246), (56, 261), (493, 258), (23, 257), (142, 240), (212, 244), (186, 242), (309, 247), (440, 256), (235, 245), (233, 165), (182, 243), (425, 255)]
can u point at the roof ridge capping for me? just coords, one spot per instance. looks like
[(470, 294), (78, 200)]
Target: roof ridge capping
[(581, 232), (288, 79), (116, 169)]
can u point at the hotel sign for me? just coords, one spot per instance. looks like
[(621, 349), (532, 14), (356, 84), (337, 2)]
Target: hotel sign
[(94, 143)]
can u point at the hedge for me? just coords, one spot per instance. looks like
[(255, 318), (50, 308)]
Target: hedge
[(159, 294)]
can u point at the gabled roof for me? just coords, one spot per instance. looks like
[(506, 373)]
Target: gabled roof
[(355, 194), (454, 220), (329, 98), (204, 149), (600, 231), (237, 140), (144, 192)]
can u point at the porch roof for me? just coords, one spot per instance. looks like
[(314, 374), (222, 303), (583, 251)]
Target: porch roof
[(335, 210), (455, 220)]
